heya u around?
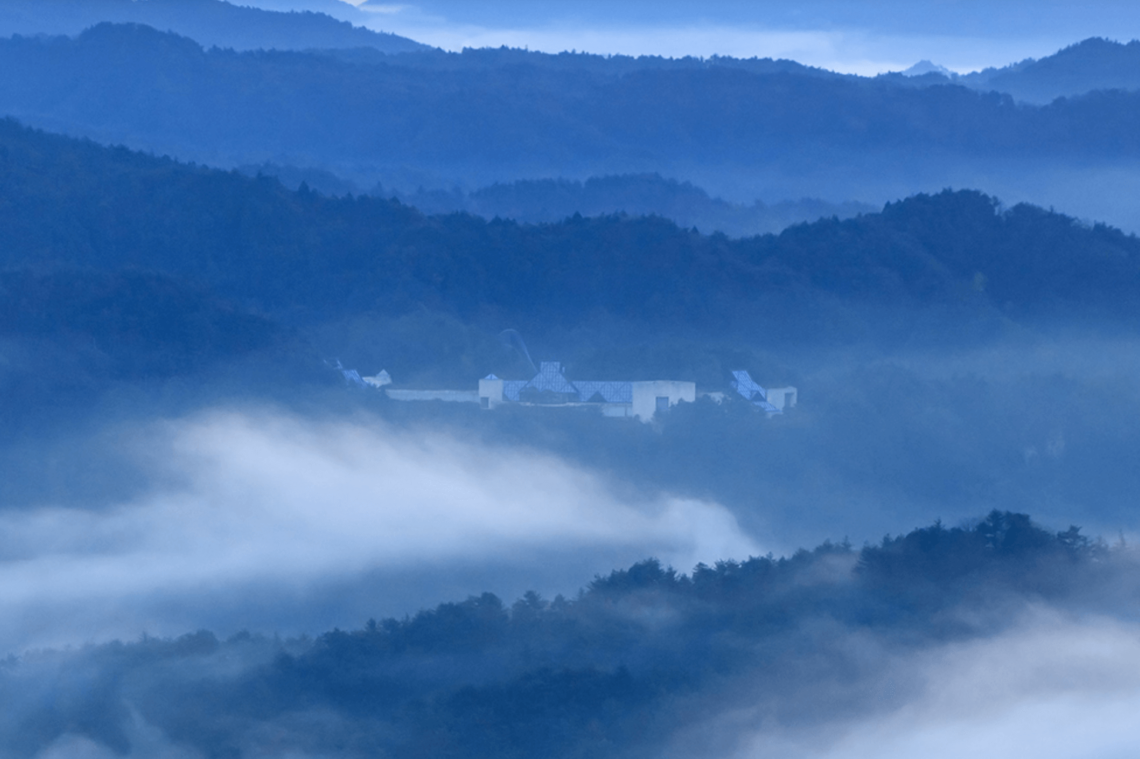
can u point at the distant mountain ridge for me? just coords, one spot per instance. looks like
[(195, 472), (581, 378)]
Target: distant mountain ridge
[(1094, 64), (537, 201), (551, 200), (212, 23), (1088, 66), (161, 92), (587, 63)]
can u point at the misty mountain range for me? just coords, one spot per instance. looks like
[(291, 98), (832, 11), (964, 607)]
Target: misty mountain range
[(207, 211), (1091, 65), (213, 23), (411, 114), (739, 134), (549, 200), (308, 257)]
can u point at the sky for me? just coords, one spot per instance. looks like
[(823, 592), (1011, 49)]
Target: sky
[(853, 36)]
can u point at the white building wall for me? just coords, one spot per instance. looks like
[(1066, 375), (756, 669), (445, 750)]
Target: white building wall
[(490, 392), (379, 380), (782, 398), (645, 395)]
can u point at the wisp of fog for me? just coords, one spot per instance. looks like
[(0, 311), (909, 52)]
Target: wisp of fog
[(1052, 686), (260, 505)]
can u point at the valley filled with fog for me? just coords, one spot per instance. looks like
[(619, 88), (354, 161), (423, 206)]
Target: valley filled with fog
[(261, 268)]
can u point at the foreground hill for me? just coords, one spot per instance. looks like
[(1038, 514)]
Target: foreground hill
[(623, 670), (210, 22)]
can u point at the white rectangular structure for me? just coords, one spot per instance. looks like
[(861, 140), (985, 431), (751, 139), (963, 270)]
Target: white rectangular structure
[(490, 392), (659, 395), (783, 398)]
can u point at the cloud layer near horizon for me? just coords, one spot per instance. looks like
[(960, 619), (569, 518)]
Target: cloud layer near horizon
[(849, 36)]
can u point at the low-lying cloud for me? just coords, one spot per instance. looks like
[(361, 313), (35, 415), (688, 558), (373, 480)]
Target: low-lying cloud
[(1051, 688), (266, 504)]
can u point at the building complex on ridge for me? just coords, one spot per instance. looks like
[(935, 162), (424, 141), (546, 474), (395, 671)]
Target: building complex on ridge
[(614, 398)]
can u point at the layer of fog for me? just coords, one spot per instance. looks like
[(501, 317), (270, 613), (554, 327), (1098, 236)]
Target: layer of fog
[(1051, 684), (268, 522), (1050, 688), (1093, 191)]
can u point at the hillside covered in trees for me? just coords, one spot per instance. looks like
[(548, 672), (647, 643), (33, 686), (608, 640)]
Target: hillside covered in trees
[(303, 257), (552, 200), (123, 270), (214, 220), (628, 666), (759, 129), (1091, 65)]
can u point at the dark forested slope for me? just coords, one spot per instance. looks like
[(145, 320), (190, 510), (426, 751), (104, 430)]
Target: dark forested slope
[(306, 257), (148, 89), (121, 266), (621, 671), (1094, 64), (551, 200)]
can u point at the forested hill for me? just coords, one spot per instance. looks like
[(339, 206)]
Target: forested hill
[(1094, 64), (306, 257), (210, 22), (622, 670), (153, 90), (536, 201), (549, 200), (491, 58)]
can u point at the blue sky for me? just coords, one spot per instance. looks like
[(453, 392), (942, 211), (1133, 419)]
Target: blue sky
[(859, 36)]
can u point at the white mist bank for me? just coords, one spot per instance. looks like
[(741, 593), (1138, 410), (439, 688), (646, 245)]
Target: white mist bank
[(1050, 688), (268, 505)]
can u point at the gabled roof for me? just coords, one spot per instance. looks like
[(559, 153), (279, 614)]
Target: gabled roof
[(512, 388), (756, 395), (549, 378), (352, 377), (609, 392), (746, 386)]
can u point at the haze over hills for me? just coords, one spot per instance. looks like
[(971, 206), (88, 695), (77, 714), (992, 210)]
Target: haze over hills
[(548, 200), (740, 135), (213, 258), (212, 23), (537, 201), (75, 204), (1091, 65), (641, 663), (854, 36)]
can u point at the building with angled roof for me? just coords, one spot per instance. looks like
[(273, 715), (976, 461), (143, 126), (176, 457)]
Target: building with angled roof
[(771, 400), (635, 399), (616, 398)]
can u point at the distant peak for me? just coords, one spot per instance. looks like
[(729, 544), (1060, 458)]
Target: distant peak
[(927, 67)]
